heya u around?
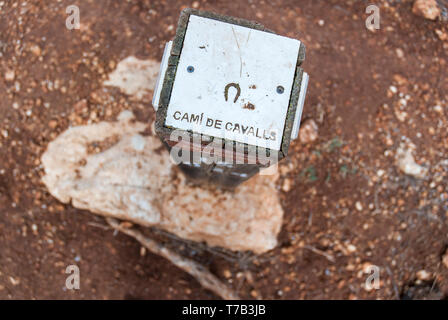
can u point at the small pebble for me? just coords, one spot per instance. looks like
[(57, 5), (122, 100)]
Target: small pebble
[(423, 275), (10, 75), (445, 259), (227, 274)]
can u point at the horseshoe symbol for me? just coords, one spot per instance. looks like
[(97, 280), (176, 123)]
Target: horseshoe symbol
[(238, 91)]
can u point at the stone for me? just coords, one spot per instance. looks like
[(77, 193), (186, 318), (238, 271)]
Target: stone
[(129, 176), (423, 275), (445, 259), (406, 163), (286, 187), (135, 77), (308, 131), (351, 248), (441, 34), (438, 109), (10, 75), (36, 50), (427, 9)]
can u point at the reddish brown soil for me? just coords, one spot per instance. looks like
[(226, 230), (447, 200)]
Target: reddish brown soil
[(399, 224)]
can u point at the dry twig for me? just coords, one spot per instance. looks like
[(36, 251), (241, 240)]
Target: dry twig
[(202, 275), (320, 252)]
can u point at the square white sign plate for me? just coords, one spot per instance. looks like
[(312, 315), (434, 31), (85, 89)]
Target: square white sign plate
[(218, 55)]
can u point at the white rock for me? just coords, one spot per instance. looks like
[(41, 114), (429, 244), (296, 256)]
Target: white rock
[(134, 180), (426, 8), (135, 77), (438, 109), (406, 163), (351, 248), (403, 102), (10, 75), (401, 115), (309, 131), (423, 275), (393, 89)]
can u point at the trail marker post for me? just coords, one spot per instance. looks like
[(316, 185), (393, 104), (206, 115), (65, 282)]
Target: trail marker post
[(229, 97)]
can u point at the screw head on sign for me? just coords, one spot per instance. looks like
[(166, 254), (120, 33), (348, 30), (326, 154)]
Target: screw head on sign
[(280, 89)]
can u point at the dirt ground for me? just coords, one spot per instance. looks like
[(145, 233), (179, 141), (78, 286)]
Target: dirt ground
[(347, 205)]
